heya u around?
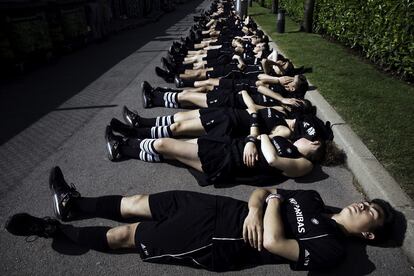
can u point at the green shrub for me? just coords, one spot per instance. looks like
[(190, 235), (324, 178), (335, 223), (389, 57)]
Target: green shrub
[(382, 29)]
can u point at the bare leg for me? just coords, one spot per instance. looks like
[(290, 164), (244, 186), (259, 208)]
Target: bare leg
[(191, 127), (186, 153), (197, 99), (186, 115), (122, 236), (207, 82)]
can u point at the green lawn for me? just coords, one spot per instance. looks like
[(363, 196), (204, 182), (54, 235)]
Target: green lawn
[(379, 108)]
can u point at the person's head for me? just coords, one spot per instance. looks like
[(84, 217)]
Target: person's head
[(309, 149), (321, 152), (370, 220), (284, 67), (299, 84)]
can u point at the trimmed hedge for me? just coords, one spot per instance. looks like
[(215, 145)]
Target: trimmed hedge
[(382, 29)]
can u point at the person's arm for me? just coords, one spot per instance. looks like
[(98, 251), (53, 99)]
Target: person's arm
[(248, 101), (274, 239), (241, 65), (274, 95), (291, 167), (253, 223)]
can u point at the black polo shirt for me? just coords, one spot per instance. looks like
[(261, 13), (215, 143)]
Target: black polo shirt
[(319, 237), (304, 217)]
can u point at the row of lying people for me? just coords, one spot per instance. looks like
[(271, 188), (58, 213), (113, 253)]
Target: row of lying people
[(246, 132)]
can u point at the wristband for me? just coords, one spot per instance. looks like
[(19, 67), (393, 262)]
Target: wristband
[(250, 139), (271, 196), (254, 120)]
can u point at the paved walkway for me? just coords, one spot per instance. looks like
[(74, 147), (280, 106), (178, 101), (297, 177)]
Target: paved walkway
[(65, 109)]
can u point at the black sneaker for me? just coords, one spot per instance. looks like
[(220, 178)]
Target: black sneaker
[(167, 65), (178, 82), (26, 225), (130, 117), (146, 94), (62, 194), (166, 75), (113, 143)]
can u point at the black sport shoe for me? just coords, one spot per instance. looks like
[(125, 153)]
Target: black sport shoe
[(23, 224), (166, 75), (167, 65), (146, 90), (62, 194), (113, 143), (178, 82), (130, 117)]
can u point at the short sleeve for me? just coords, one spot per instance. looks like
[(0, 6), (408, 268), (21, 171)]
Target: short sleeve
[(318, 253)]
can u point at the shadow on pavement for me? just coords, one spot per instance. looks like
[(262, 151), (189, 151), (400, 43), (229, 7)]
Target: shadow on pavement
[(29, 97)]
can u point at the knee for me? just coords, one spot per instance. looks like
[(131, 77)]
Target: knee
[(161, 145), (133, 202), (122, 236), (175, 127), (182, 96)]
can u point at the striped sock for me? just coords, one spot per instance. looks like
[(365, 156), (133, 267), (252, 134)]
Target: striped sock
[(171, 100), (150, 157), (164, 120), (161, 132), (147, 145)]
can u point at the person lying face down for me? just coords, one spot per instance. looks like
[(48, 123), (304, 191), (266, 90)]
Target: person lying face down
[(274, 226)]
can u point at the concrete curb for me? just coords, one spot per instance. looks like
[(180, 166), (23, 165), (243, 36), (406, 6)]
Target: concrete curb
[(375, 181)]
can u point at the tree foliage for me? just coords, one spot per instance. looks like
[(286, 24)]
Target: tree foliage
[(382, 29)]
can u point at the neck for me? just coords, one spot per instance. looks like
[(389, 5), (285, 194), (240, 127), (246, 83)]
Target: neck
[(291, 123), (338, 219)]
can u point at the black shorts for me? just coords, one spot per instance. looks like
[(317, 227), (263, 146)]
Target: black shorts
[(181, 231), (220, 98), (220, 121), (196, 229), (222, 70)]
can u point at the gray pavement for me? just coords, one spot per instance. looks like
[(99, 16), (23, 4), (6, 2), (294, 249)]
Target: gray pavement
[(70, 135)]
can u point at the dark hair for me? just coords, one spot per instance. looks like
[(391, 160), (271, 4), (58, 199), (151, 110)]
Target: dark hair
[(328, 154), (265, 39), (303, 84), (383, 232)]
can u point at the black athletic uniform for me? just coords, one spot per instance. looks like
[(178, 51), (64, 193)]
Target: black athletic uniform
[(205, 231), (236, 122), (219, 97), (222, 160)]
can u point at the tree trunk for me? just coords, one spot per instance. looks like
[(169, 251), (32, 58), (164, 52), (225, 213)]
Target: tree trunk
[(262, 3), (308, 15), (275, 6)]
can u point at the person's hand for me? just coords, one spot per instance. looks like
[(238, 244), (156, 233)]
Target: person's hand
[(291, 101), (263, 76), (253, 228), (241, 66), (250, 154), (286, 80)]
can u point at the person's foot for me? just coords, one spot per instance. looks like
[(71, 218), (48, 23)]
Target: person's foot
[(178, 82), (166, 75), (62, 194), (23, 224), (113, 142), (130, 117), (167, 65), (146, 90)]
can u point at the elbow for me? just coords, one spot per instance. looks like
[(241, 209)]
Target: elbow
[(270, 243), (272, 160)]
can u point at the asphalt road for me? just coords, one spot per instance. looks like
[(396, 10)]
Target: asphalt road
[(57, 116)]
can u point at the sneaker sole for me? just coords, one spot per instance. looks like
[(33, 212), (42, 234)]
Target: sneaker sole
[(55, 199), (108, 146), (144, 98)]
